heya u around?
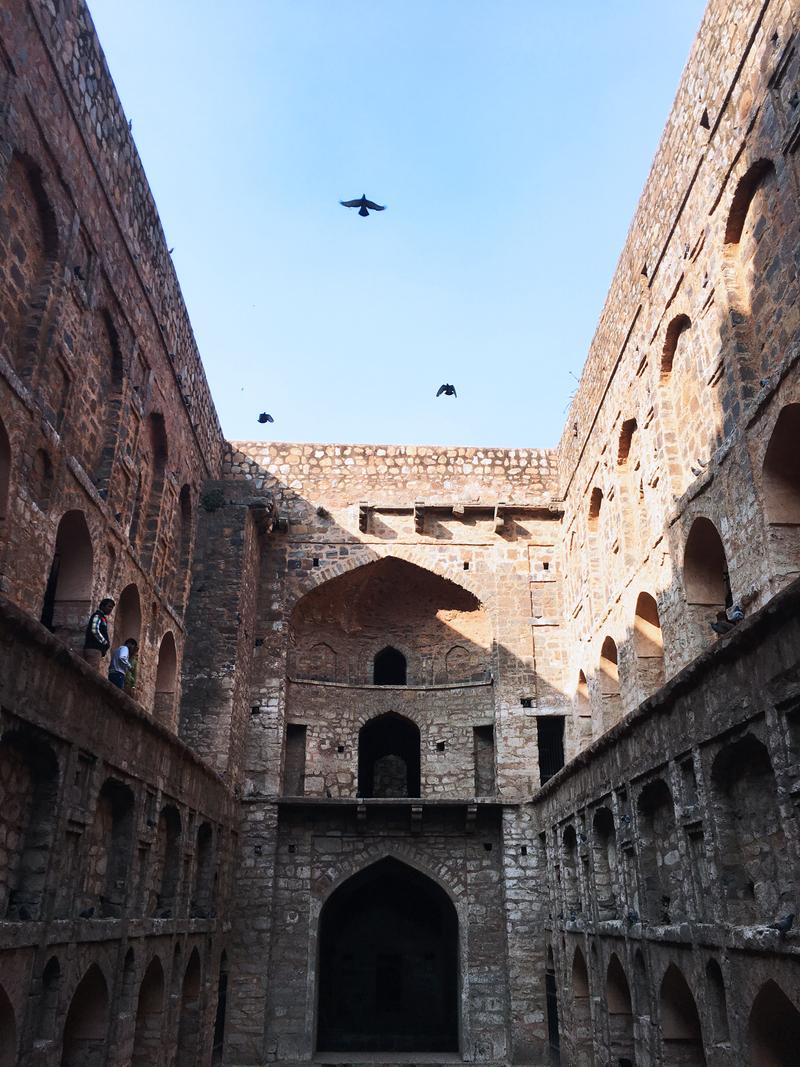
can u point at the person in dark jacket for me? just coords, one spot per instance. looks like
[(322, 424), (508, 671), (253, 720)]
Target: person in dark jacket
[(97, 643)]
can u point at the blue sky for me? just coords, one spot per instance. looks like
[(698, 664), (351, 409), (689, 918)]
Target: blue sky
[(510, 140)]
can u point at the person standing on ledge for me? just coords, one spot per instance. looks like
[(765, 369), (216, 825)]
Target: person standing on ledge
[(121, 662), (97, 643)]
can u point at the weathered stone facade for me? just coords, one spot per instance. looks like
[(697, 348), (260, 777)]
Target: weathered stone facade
[(432, 752)]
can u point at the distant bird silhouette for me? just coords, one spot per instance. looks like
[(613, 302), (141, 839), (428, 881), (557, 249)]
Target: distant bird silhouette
[(362, 205), (784, 925), (171, 250), (264, 417), (448, 390)]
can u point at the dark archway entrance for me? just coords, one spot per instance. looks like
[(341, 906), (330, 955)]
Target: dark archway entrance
[(388, 964), (388, 757)]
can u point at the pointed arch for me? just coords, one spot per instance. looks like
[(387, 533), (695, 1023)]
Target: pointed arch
[(5, 473), (620, 1012), (609, 683), (717, 1002), (67, 598), (128, 615), (604, 849), (581, 1011), (149, 1016), (780, 477), (389, 667), (166, 679), (680, 1022), (8, 1031), (659, 854), (189, 1022), (408, 1000), (86, 1027), (773, 1029)]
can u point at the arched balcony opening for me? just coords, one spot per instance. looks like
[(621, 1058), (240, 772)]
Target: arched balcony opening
[(128, 615), (86, 1027), (609, 683), (389, 757), (389, 667), (67, 599), (680, 1023), (773, 1029), (781, 488), (166, 680), (648, 642), (388, 964)]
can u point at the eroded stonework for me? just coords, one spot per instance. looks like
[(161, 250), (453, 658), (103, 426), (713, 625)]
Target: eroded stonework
[(433, 753)]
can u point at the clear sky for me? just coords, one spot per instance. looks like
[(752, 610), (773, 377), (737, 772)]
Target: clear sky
[(510, 140)]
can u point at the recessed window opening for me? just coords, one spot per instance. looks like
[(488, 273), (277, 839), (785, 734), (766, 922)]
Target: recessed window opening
[(389, 667), (705, 566), (389, 757), (550, 740)]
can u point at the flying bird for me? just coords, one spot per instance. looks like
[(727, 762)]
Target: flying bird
[(362, 205), (264, 417), (448, 390)]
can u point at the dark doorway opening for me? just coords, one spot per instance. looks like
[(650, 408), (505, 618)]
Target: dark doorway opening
[(388, 964), (550, 740), (389, 667), (388, 758)]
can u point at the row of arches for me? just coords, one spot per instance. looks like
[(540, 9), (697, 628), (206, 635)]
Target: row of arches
[(636, 862), (87, 1028), (67, 605), (110, 386), (773, 1024), (105, 881)]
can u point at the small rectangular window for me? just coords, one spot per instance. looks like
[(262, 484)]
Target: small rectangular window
[(294, 767), (550, 739)]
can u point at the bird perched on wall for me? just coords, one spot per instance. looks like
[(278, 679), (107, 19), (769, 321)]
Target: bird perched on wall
[(364, 205), (87, 913), (734, 613), (447, 389), (784, 925), (721, 624), (264, 417)]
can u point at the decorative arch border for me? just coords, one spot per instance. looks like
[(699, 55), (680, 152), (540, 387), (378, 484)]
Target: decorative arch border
[(368, 857), (418, 555)]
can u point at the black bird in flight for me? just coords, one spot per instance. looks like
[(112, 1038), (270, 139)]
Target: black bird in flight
[(264, 417), (448, 390), (362, 205)]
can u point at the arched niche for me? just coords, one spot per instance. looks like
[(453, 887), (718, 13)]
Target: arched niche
[(582, 699), (147, 1040), (158, 453), (773, 1029), (705, 566), (182, 549), (189, 1022), (389, 667), (750, 835), (604, 849), (67, 598), (110, 849), (569, 855), (202, 897), (620, 1011), (166, 872), (391, 603), (103, 413), (220, 1013), (717, 1002), (47, 1006), (29, 777), (166, 678), (389, 757), (659, 855), (581, 1011), (86, 1027), (680, 1022), (388, 964)]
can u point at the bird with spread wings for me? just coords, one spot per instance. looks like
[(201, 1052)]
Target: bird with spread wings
[(447, 389), (363, 204)]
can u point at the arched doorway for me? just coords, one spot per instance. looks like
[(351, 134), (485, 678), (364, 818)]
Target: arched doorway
[(388, 758), (67, 598), (86, 1028), (388, 979)]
